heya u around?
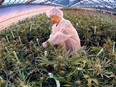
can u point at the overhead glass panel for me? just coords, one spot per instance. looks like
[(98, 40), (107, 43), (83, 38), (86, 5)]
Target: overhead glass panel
[(23, 1), (26, 1), (96, 3), (38, 1), (17, 1), (11, 1), (6, 2)]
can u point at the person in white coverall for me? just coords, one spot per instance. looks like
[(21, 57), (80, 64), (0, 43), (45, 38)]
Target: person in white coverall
[(63, 33)]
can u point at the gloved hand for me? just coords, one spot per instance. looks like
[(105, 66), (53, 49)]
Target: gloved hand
[(44, 44)]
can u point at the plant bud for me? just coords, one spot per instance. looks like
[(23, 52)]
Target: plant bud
[(78, 82)]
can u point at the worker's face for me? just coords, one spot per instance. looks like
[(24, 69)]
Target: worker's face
[(55, 19)]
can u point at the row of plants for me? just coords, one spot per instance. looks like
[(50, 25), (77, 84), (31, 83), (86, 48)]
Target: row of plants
[(24, 63)]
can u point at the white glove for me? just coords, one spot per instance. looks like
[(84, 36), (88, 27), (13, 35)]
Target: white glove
[(44, 44)]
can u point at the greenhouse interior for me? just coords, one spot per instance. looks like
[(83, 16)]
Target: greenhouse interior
[(57, 43)]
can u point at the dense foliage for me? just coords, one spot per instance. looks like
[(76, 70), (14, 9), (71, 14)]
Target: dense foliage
[(24, 63)]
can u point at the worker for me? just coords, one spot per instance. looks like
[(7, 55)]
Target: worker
[(63, 33)]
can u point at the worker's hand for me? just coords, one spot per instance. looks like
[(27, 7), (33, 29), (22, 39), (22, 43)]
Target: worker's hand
[(45, 44)]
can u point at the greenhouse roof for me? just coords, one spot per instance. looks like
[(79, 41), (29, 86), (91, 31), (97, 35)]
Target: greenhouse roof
[(67, 3)]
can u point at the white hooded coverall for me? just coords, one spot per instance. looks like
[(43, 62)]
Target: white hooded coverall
[(65, 35)]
